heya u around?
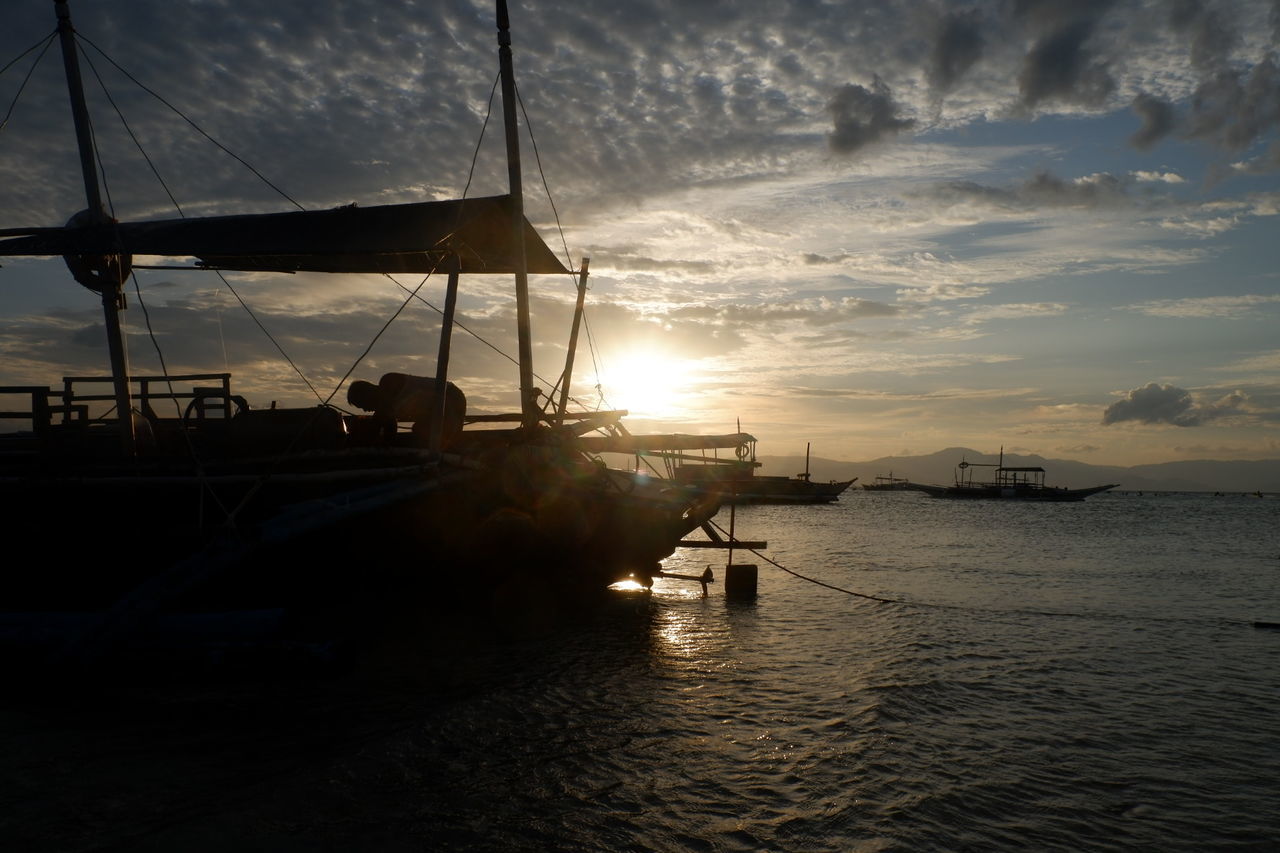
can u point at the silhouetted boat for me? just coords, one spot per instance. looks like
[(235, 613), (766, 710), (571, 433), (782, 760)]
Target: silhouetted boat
[(888, 483), (1007, 483), (196, 503), (735, 481)]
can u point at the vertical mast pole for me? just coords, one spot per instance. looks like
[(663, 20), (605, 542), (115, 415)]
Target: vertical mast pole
[(573, 342), (529, 411), (112, 291)]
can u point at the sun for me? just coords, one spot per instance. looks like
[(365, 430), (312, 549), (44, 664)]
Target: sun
[(646, 383)]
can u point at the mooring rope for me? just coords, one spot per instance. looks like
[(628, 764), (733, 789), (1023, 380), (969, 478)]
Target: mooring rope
[(993, 611)]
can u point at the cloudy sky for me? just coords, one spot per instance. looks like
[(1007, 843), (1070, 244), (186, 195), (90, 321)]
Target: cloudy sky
[(880, 227)]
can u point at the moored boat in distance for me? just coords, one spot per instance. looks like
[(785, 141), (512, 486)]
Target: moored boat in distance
[(735, 481), (889, 483), (1006, 483)]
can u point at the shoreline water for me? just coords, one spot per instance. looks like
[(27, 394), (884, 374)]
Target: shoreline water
[(1058, 677)]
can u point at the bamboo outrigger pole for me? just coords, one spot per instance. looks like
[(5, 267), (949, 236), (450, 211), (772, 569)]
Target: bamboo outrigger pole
[(563, 408), (529, 411), (436, 438), (109, 280)]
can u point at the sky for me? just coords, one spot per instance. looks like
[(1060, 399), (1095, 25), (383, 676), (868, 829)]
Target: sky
[(877, 228)]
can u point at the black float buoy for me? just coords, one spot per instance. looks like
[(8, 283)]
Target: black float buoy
[(740, 581)]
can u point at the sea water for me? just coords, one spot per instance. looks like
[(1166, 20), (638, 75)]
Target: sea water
[(972, 676)]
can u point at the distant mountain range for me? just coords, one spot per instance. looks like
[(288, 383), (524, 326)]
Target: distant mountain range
[(1192, 476)]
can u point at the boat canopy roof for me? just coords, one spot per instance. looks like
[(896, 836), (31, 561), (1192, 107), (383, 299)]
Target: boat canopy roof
[(654, 443), (397, 238)]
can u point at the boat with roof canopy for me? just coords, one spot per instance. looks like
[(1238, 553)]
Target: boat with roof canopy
[(1006, 483), (136, 497)]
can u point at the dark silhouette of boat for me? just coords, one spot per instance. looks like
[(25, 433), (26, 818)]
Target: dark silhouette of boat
[(889, 483), (735, 481), (140, 499), (1006, 483)]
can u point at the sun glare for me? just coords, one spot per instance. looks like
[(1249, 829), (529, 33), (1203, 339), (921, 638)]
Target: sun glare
[(644, 382)]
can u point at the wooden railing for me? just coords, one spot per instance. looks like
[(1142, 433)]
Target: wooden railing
[(73, 404)]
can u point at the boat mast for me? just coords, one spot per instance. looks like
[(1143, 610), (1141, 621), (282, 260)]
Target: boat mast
[(110, 279), (529, 411)]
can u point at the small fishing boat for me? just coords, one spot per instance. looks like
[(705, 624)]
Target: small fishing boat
[(1006, 483), (735, 481), (888, 483)]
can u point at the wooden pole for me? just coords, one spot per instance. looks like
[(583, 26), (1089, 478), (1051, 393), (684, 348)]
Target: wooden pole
[(573, 342), (112, 291), (442, 358), (530, 413)]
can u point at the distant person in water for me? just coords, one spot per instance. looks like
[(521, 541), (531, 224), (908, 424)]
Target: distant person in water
[(401, 398)]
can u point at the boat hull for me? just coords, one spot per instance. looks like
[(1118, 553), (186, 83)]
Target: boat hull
[(773, 490), (344, 553), (1017, 493)]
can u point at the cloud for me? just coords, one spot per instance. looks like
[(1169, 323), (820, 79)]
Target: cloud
[(1158, 177), (1156, 403), (1015, 311), (956, 48), (1232, 109), (942, 292), (1043, 189), (864, 117), (1220, 307), (1159, 119), (1269, 161), (1267, 364), (627, 100), (1210, 39), (1078, 448), (818, 312), (1058, 67)]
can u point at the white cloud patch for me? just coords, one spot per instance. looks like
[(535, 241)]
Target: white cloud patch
[(1014, 311), (1263, 365), (1158, 177), (1206, 307)]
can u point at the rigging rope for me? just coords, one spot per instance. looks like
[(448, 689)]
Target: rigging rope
[(17, 95), (992, 611), (595, 364), (547, 189), (376, 337), (591, 348), (475, 153), (270, 337), (229, 516), (189, 121), (472, 333), (129, 130), (201, 474), (89, 60)]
